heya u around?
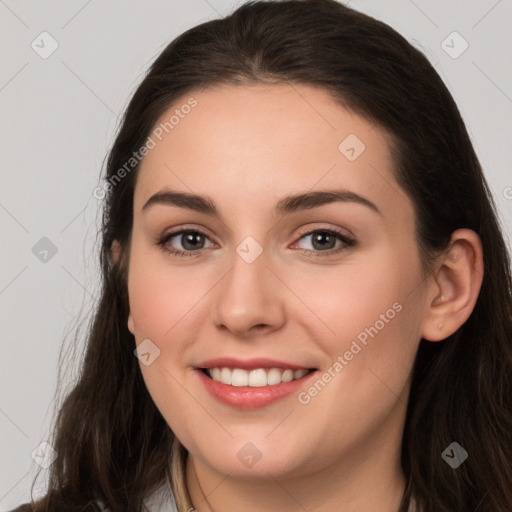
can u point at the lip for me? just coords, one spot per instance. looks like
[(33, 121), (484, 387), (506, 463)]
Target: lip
[(248, 397), (250, 364)]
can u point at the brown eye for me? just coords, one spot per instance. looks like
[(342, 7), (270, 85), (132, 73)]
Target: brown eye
[(323, 242), (191, 241)]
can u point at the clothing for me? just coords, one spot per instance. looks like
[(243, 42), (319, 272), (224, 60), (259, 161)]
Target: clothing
[(161, 500)]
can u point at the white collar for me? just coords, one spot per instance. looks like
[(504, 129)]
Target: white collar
[(162, 500)]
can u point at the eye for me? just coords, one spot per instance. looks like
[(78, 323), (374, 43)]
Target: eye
[(191, 240), (323, 242)]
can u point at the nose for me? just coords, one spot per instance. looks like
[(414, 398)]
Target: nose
[(249, 299)]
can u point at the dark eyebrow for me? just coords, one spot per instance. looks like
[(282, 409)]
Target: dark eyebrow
[(289, 204), (309, 200)]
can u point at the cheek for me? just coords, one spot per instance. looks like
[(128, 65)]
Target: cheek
[(369, 322), (372, 353), (164, 304), (353, 297), (160, 297)]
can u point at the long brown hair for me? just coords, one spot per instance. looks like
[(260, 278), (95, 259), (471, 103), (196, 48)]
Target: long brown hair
[(111, 439)]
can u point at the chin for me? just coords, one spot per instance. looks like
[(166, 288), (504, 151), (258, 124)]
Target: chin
[(261, 459)]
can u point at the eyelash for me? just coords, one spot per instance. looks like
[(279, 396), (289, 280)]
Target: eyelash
[(347, 242)]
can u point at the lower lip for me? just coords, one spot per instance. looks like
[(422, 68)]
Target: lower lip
[(248, 397)]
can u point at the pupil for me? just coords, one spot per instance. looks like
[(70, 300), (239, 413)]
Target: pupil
[(323, 236), (323, 239), (189, 239)]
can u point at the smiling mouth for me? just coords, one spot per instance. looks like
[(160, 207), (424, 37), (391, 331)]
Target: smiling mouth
[(258, 377)]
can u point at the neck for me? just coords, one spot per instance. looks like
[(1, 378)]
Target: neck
[(368, 480)]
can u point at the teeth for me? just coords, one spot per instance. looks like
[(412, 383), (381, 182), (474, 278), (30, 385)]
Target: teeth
[(225, 376), (298, 374), (274, 376), (255, 378), (239, 377), (287, 376), (215, 374)]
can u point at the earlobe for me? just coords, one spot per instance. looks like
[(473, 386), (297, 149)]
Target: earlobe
[(115, 254), (115, 250), (454, 286), (130, 324)]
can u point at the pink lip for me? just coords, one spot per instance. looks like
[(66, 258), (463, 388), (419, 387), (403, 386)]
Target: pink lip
[(247, 397), (249, 364)]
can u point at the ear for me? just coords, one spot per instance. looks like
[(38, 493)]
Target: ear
[(116, 252), (454, 286), (131, 327)]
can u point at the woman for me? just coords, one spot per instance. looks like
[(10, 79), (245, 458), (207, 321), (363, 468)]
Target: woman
[(301, 251)]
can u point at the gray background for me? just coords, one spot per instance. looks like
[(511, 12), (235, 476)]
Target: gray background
[(59, 117)]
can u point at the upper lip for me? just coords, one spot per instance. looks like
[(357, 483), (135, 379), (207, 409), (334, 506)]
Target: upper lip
[(250, 364)]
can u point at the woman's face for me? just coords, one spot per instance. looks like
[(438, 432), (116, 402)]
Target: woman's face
[(326, 283)]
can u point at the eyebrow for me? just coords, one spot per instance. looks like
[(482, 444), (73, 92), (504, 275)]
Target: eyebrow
[(289, 204)]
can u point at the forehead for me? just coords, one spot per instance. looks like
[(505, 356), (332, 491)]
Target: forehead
[(242, 143)]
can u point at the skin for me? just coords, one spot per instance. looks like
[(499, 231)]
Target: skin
[(248, 147)]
